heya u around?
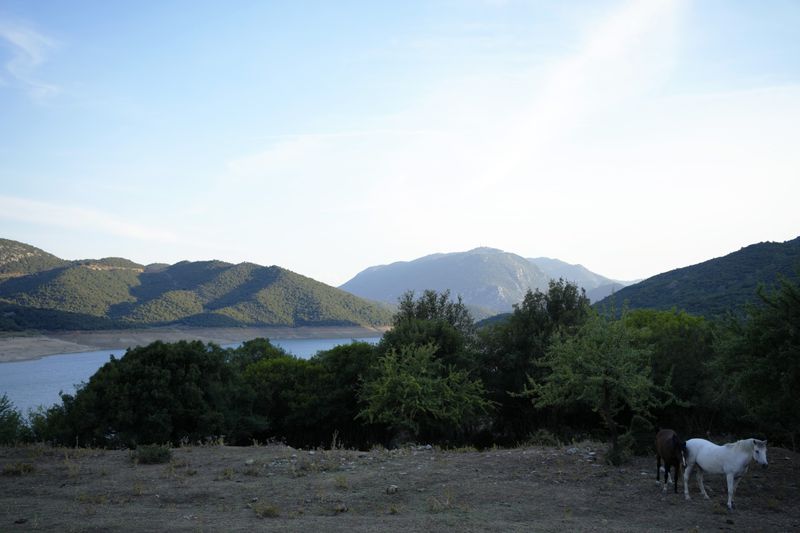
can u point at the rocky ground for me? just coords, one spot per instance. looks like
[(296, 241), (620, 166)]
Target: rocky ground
[(419, 488)]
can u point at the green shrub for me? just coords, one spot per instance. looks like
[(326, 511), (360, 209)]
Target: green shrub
[(12, 426), (152, 454)]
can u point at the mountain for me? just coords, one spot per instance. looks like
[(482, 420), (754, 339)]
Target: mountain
[(597, 286), (716, 286), (19, 259), (598, 293), (488, 280), (116, 292)]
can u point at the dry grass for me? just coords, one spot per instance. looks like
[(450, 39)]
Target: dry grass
[(18, 469)]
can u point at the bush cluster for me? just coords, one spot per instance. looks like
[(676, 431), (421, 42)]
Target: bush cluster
[(554, 370)]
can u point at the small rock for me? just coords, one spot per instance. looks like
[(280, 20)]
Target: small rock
[(340, 507), (254, 499), (249, 462), (391, 489), (20, 520), (311, 452), (572, 451)]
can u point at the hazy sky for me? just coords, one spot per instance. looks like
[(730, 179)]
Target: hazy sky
[(632, 137)]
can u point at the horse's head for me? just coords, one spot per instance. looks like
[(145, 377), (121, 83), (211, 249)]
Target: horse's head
[(760, 452)]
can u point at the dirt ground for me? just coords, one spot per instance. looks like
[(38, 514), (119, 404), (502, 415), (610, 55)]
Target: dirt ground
[(418, 488), (17, 347)]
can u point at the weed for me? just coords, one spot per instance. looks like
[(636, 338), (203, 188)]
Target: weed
[(215, 441), (151, 454), (773, 504), (341, 482), (463, 449), (96, 499), (266, 510), (73, 468), (542, 437), (438, 505), (718, 508), (226, 474), (35, 451), (336, 444), (18, 469), (138, 488), (252, 470)]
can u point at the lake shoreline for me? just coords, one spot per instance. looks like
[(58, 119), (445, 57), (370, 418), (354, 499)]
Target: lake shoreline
[(24, 347)]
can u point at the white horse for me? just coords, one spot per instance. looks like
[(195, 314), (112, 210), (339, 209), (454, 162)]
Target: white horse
[(731, 459)]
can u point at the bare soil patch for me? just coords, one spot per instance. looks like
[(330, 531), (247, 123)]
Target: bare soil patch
[(419, 488)]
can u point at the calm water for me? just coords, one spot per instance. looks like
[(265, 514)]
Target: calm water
[(32, 383)]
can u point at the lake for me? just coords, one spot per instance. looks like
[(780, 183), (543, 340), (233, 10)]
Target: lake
[(30, 384)]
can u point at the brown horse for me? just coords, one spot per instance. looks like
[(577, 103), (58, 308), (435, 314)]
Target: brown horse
[(671, 449)]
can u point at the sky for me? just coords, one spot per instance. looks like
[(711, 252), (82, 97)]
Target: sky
[(632, 137)]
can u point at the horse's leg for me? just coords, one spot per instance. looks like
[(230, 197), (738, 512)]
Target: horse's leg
[(731, 489), (677, 473), (700, 482), (658, 466), (686, 473)]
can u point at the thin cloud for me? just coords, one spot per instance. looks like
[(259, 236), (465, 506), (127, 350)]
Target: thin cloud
[(29, 50), (78, 218), (619, 56)]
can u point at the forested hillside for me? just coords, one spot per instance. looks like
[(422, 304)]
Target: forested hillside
[(18, 259), (116, 292), (716, 286)]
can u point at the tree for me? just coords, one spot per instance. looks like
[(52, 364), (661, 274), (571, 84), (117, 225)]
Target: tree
[(253, 351), (510, 351), (435, 319), (759, 364), (435, 306), (287, 394), (682, 347), (159, 393), (412, 392), (598, 367), (12, 426), (344, 368)]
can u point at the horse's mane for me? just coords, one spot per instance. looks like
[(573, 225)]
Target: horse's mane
[(747, 444)]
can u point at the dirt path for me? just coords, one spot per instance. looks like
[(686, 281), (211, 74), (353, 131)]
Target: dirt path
[(277, 488), (21, 347)]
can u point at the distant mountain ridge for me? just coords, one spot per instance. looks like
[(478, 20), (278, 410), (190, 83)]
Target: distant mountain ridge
[(597, 286), (489, 280), (41, 291), (716, 286)]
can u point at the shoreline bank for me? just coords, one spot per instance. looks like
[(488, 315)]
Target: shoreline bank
[(35, 346)]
